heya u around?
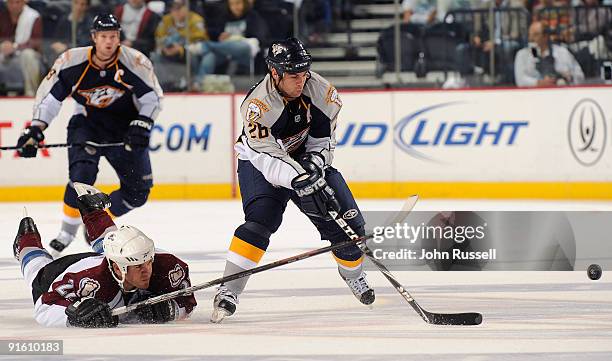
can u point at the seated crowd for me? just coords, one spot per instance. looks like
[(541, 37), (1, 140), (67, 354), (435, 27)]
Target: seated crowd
[(213, 36), (527, 43), (521, 42)]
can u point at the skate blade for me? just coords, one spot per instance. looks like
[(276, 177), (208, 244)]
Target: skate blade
[(218, 315)]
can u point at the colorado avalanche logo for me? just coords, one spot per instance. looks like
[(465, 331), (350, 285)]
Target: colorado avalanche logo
[(176, 275), (88, 287), (101, 97)]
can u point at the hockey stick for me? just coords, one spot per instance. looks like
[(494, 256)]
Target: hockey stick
[(468, 318), (408, 205), (70, 145)]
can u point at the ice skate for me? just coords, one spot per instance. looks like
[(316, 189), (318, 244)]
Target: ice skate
[(26, 226), (360, 288), (224, 304), (60, 243)]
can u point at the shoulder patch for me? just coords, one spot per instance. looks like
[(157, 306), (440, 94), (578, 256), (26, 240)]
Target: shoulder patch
[(176, 275), (50, 74), (255, 110), (88, 287), (333, 96)]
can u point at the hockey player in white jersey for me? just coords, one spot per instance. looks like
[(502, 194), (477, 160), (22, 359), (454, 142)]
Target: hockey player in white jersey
[(285, 153), (117, 99), (80, 290)]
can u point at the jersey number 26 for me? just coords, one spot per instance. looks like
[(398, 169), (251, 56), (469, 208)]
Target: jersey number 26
[(258, 131)]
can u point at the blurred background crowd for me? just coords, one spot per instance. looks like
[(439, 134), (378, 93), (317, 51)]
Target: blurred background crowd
[(220, 45)]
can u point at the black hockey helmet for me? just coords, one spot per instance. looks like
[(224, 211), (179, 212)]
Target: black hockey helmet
[(289, 55), (105, 22)]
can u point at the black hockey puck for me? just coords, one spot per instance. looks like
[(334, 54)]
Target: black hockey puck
[(594, 272)]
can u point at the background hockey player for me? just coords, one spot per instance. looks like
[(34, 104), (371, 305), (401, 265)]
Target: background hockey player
[(117, 100), (80, 290), (285, 152)]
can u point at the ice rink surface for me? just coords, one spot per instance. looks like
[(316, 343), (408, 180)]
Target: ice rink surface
[(304, 311)]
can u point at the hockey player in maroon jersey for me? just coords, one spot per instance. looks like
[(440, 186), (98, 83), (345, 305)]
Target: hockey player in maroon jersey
[(80, 290)]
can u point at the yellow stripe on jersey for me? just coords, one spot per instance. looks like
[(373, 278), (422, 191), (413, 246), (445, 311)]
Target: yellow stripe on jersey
[(349, 264), (110, 213), (71, 212), (246, 250)]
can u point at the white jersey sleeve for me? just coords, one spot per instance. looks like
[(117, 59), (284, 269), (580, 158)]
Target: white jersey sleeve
[(141, 79), (325, 98), (260, 111), (59, 83)]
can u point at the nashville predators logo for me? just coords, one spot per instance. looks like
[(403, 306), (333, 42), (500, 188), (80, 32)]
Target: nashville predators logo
[(50, 74), (277, 49), (101, 97), (333, 97), (176, 275), (255, 110)]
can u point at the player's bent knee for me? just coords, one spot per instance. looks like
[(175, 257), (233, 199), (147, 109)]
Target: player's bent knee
[(350, 253), (253, 233), (136, 198), (266, 212)]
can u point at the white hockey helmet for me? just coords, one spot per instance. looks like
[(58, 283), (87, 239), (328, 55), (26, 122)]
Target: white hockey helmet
[(127, 246)]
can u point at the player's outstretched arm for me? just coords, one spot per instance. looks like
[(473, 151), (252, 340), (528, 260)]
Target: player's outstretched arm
[(90, 313), (176, 277)]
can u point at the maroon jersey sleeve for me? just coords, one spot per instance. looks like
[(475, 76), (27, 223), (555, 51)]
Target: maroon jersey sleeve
[(171, 274), (98, 224), (65, 284)]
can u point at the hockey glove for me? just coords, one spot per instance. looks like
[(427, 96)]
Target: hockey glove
[(138, 134), (158, 313), (90, 313), (92, 202), (316, 158), (316, 197), (29, 140)]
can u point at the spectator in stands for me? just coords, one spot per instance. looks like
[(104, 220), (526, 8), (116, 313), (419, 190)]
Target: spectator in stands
[(236, 35), (555, 16), (421, 12), (504, 41), (316, 18), (20, 45), (138, 25), (103, 6), (278, 16), (543, 63), (589, 23), (171, 39), (428, 12), (591, 20), (62, 39)]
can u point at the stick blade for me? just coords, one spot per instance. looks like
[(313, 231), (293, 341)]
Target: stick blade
[(461, 319)]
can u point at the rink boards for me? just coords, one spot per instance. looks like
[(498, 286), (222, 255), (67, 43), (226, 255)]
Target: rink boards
[(537, 143)]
